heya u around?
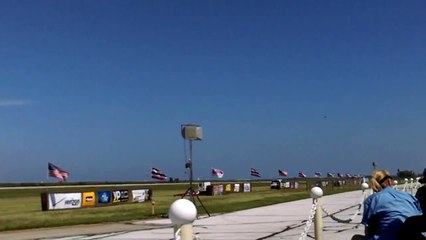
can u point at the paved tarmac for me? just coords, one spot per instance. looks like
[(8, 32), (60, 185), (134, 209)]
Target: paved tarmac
[(279, 221)]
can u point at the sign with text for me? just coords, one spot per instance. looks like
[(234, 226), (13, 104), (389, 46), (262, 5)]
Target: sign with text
[(64, 200), (247, 187), (119, 196), (88, 199), (140, 195)]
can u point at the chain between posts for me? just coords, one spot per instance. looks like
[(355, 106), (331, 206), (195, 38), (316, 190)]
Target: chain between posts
[(310, 219), (351, 218), (177, 234)]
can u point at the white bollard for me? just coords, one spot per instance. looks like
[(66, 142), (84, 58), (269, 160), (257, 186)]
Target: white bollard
[(182, 213), (364, 186), (395, 184), (316, 193)]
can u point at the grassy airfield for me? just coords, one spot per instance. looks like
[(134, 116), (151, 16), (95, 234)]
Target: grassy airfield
[(21, 208)]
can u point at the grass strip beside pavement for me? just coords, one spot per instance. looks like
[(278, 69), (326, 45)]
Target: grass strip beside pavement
[(21, 209)]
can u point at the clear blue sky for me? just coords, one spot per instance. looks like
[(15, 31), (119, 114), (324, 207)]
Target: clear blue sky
[(101, 88)]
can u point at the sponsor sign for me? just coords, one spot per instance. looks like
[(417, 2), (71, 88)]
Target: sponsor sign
[(217, 190), (246, 187), (89, 199), (236, 187), (227, 187), (104, 197), (140, 195), (64, 200), (119, 196)]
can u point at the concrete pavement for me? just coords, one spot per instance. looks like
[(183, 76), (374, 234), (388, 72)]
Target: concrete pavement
[(279, 221)]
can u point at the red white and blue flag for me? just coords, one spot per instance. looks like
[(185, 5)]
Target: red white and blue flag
[(302, 175), (254, 172), (157, 174), (282, 173), (318, 174), (57, 172), (339, 175), (217, 172), (329, 174)]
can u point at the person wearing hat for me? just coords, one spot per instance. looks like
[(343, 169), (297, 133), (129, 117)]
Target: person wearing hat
[(386, 210)]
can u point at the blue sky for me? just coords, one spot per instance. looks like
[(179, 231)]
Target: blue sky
[(101, 88)]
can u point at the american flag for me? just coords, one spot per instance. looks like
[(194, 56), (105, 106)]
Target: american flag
[(339, 175), (217, 172), (302, 175), (157, 174), (348, 175), (318, 174), (282, 173), (329, 174), (55, 171), (254, 172)]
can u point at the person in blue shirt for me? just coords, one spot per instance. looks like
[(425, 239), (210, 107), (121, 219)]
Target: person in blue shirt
[(386, 210)]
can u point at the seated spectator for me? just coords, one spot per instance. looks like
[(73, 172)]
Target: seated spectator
[(386, 209), (416, 225), (421, 193)]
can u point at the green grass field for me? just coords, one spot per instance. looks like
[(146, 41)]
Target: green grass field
[(21, 209)]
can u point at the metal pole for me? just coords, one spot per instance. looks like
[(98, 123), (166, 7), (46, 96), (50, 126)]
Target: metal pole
[(191, 191)]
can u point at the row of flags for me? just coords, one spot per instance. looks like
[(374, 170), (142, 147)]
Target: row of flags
[(282, 173), (57, 172)]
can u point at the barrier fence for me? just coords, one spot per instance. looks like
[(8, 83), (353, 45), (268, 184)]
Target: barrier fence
[(183, 220)]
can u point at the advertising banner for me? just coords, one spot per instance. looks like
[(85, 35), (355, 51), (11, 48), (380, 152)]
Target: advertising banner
[(227, 187), (217, 190), (119, 196), (88, 199), (64, 200), (104, 197), (236, 187), (140, 195), (246, 187)]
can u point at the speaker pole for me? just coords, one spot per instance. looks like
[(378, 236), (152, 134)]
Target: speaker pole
[(192, 132), (191, 177)]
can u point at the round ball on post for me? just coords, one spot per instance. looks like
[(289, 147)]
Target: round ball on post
[(395, 182), (406, 180), (364, 186), (182, 211), (316, 192)]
